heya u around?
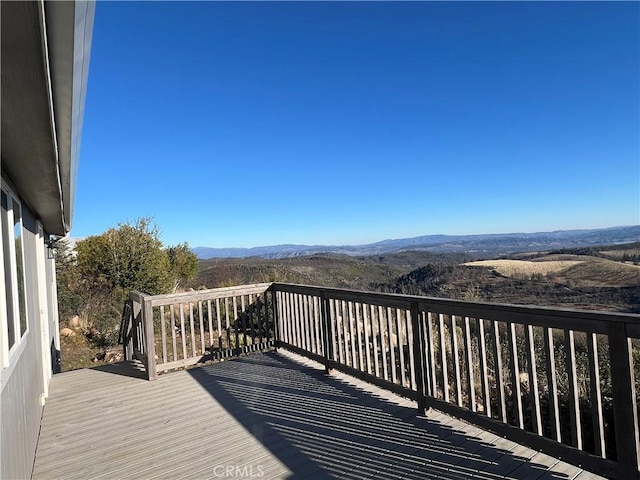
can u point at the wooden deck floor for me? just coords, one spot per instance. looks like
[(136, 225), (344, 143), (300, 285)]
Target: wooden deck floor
[(267, 415)]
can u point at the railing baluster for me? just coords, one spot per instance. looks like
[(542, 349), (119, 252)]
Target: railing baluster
[(183, 337), (333, 331), (374, 339), (412, 336), (484, 370), (174, 343), (359, 328), (456, 360), (471, 391), (596, 396), (433, 390), (399, 331), (443, 358), (210, 321), (163, 334), (552, 384), (253, 309), (202, 335), (417, 347), (219, 320), (497, 351), (193, 330), (352, 337), (515, 376), (572, 380), (383, 343), (534, 396), (227, 314), (394, 373)]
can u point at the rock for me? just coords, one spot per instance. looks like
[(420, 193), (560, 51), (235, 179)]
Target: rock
[(74, 322), (114, 355), (67, 332)]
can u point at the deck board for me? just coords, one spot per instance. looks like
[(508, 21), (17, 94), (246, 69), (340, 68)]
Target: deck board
[(265, 415)]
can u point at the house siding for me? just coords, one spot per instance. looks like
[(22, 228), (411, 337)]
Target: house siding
[(25, 380)]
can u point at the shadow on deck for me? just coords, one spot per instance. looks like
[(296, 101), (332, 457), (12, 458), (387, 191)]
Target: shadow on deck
[(266, 415)]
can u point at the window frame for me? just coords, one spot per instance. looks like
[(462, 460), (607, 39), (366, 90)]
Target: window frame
[(10, 308)]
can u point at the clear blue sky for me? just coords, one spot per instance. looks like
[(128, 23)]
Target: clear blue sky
[(247, 124)]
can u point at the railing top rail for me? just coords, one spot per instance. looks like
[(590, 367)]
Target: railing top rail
[(210, 294), (588, 320)]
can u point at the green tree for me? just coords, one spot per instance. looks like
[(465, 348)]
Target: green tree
[(183, 262)]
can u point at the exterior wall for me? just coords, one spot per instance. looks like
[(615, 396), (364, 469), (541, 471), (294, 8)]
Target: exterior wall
[(25, 378)]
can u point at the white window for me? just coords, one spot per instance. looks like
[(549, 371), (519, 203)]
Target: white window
[(14, 277)]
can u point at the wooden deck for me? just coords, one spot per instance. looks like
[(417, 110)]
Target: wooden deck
[(265, 415)]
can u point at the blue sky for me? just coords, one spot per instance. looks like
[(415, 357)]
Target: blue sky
[(240, 124)]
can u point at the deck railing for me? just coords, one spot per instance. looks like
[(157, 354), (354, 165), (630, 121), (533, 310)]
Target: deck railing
[(560, 381), (177, 330)]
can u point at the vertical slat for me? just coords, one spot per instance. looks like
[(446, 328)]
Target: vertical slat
[(534, 396), (456, 359), (227, 314), (367, 335), (163, 334), (252, 309), (182, 332), (150, 339), (320, 331), (340, 330), (201, 319), (299, 320), (471, 391), (383, 344), (484, 369), (352, 336), (552, 384), (333, 330), (443, 358), (295, 320), (625, 412), (394, 370), (497, 351), (210, 320), (596, 396), (193, 330), (325, 321), (283, 305), (345, 339), (261, 300), (234, 299), (515, 375), (432, 357), (309, 337), (359, 328), (374, 339), (574, 401), (174, 343), (417, 347), (219, 322), (399, 330), (412, 337), (243, 321)]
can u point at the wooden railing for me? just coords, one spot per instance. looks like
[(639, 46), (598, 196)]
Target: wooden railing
[(557, 380), (560, 381), (177, 330)]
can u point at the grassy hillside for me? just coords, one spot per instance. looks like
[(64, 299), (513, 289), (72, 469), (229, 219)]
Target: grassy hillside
[(589, 279)]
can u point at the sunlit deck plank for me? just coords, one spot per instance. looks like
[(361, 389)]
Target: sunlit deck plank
[(276, 415)]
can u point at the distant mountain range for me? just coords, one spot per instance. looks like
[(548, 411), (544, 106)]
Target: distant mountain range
[(482, 245)]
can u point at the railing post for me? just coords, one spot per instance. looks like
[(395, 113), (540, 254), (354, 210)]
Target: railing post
[(624, 401), (327, 333), (419, 355), (149, 338)]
